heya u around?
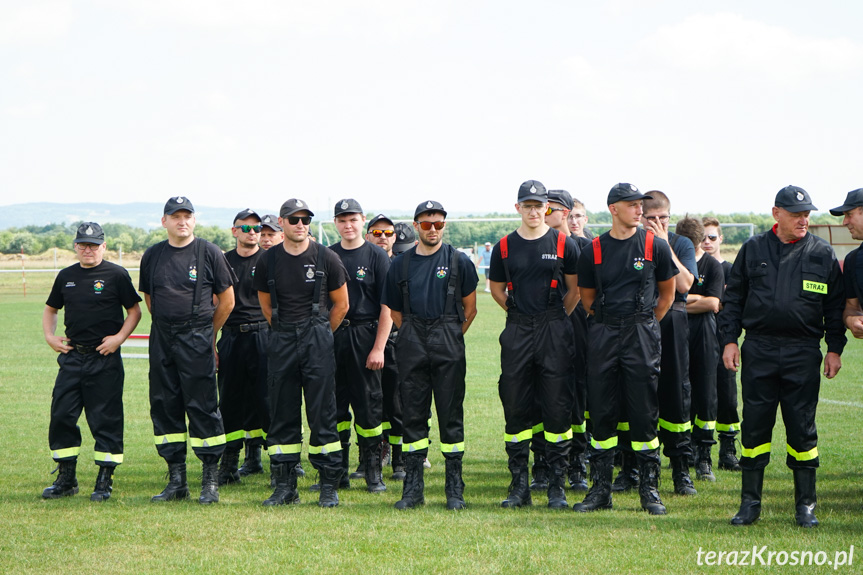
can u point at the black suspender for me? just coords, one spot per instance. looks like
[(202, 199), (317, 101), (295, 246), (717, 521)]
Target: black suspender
[(319, 294), (403, 284), (271, 285), (453, 288), (320, 274)]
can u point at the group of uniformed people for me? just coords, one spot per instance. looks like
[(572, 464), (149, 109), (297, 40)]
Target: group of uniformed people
[(613, 345)]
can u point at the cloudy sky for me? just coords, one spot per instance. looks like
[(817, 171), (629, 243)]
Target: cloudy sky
[(239, 104)]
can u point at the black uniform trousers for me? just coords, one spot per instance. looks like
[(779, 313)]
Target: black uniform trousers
[(431, 360), (703, 354), (622, 377), (675, 390), (785, 373), (537, 383), (727, 418), (243, 399), (183, 382), (358, 388), (392, 405), (302, 364), (94, 383), (580, 328)]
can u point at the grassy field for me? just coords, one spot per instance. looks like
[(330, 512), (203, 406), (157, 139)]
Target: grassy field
[(128, 534)]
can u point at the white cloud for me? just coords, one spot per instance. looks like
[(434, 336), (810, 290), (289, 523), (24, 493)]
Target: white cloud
[(26, 111), (34, 22)]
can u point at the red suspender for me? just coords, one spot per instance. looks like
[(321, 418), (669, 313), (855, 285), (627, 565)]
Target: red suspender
[(504, 254), (597, 251), (648, 246), (561, 243)]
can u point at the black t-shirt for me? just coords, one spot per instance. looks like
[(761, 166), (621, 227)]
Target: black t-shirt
[(531, 265), (622, 265), (94, 299), (710, 281), (726, 271), (247, 308), (295, 279), (428, 277), (852, 273), (366, 268), (175, 277), (685, 252)]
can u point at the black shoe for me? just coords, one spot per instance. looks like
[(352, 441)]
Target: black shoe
[(228, 471), (209, 482), (374, 480), (804, 497), (577, 474), (66, 483), (398, 463), (599, 495), (555, 491), (104, 484), (750, 497), (177, 487), (360, 473), (728, 454), (329, 496), (454, 485), (627, 478), (414, 486), (648, 488), (539, 473), (680, 476), (519, 487), (286, 486), (703, 463), (252, 463)]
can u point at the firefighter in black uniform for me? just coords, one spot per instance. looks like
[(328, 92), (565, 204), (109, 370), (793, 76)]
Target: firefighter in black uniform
[(626, 279), (852, 210), (533, 278), (786, 291), (360, 342), (179, 279), (297, 283), (431, 292), (94, 293), (242, 350)]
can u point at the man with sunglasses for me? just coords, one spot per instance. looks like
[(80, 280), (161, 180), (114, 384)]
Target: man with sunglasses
[(533, 278), (303, 294), (94, 293), (431, 292)]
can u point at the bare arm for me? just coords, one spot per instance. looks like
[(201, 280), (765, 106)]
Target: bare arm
[(397, 318), (498, 293), (339, 298), (698, 304), (572, 297), (731, 357), (588, 296), (266, 305), (683, 280), (49, 327), (111, 343), (853, 317), (223, 309), (149, 305), (469, 305), (376, 357), (832, 364), (666, 298)]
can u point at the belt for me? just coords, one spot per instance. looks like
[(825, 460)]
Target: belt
[(679, 306), (532, 319), (84, 349), (358, 322), (624, 320), (183, 324), (246, 327)]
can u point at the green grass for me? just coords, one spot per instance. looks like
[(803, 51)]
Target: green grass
[(128, 534)]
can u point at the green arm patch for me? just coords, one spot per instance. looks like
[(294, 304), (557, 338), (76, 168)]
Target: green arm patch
[(816, 287)]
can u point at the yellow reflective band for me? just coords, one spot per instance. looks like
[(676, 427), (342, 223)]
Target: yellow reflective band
[(587, 415), (325, 449), (101, 456), (263, 434), (214, 441), (369, 432), (558, 437), (234, 435), (623, 426), (67, 452), (416, 445), (675, 427), (525, 435), (170, 438), (343, 426), (429, 422), (395, 439), (285, 449), (756, 451), (452, 447), (579, 428), (609, 443), (538, 428), (645, 445), (802, 455), (814, 287), (728, 427), (255, 433), (705, 425), (387, 425)]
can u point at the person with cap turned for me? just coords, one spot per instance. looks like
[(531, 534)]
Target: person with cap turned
[(181, 279), (786, 291), (94, 293), (533, 278), (431, 292), (406, 238), (271, 232), (304, 295), (626, 280)]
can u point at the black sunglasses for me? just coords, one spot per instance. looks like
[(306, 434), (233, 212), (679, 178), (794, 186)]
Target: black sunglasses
[(294, 220), (246, 228), (712, 237)]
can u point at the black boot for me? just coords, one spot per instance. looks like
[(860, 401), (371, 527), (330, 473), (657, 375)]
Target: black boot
[(599, 496), (454, 485), (228, 472), (556, 481), (177, 487), (519, 487), (285, 475), (750, 497), (627, 478), (680, 476), (398, 461), (703, 463), (374, 480), (66, 483), (648, 488), (298, 469), (104, 484), (577, 471), (413, 486), (361, 468), (728, 454), (209, 481), (252, 462), (539, 473), (329, 496), (386, 456), (804, 497)]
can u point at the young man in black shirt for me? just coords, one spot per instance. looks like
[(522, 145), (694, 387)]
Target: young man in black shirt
[(533, 278), (298, 282), (431, 292), (94, 293), (180, 278)]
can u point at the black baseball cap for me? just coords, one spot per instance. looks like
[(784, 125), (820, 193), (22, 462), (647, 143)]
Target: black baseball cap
[(794, 199), (272, 222), (429, 206), (178, 203), (347, 206), (247, 213), (293, 206), (532, 190), (405, 238), (90, 233), (379, 218), (561, 197), (853, 199), (624, 192)]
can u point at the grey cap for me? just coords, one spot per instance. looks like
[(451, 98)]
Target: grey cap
[(347, 206), (532, 190), (853, 199), (178, 203), (561, 197), (90, 233), (429, 206), (272, 222), (379, 218), (405, 238), (624, 192), (794, 199), (293, 206), (247, 213)]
